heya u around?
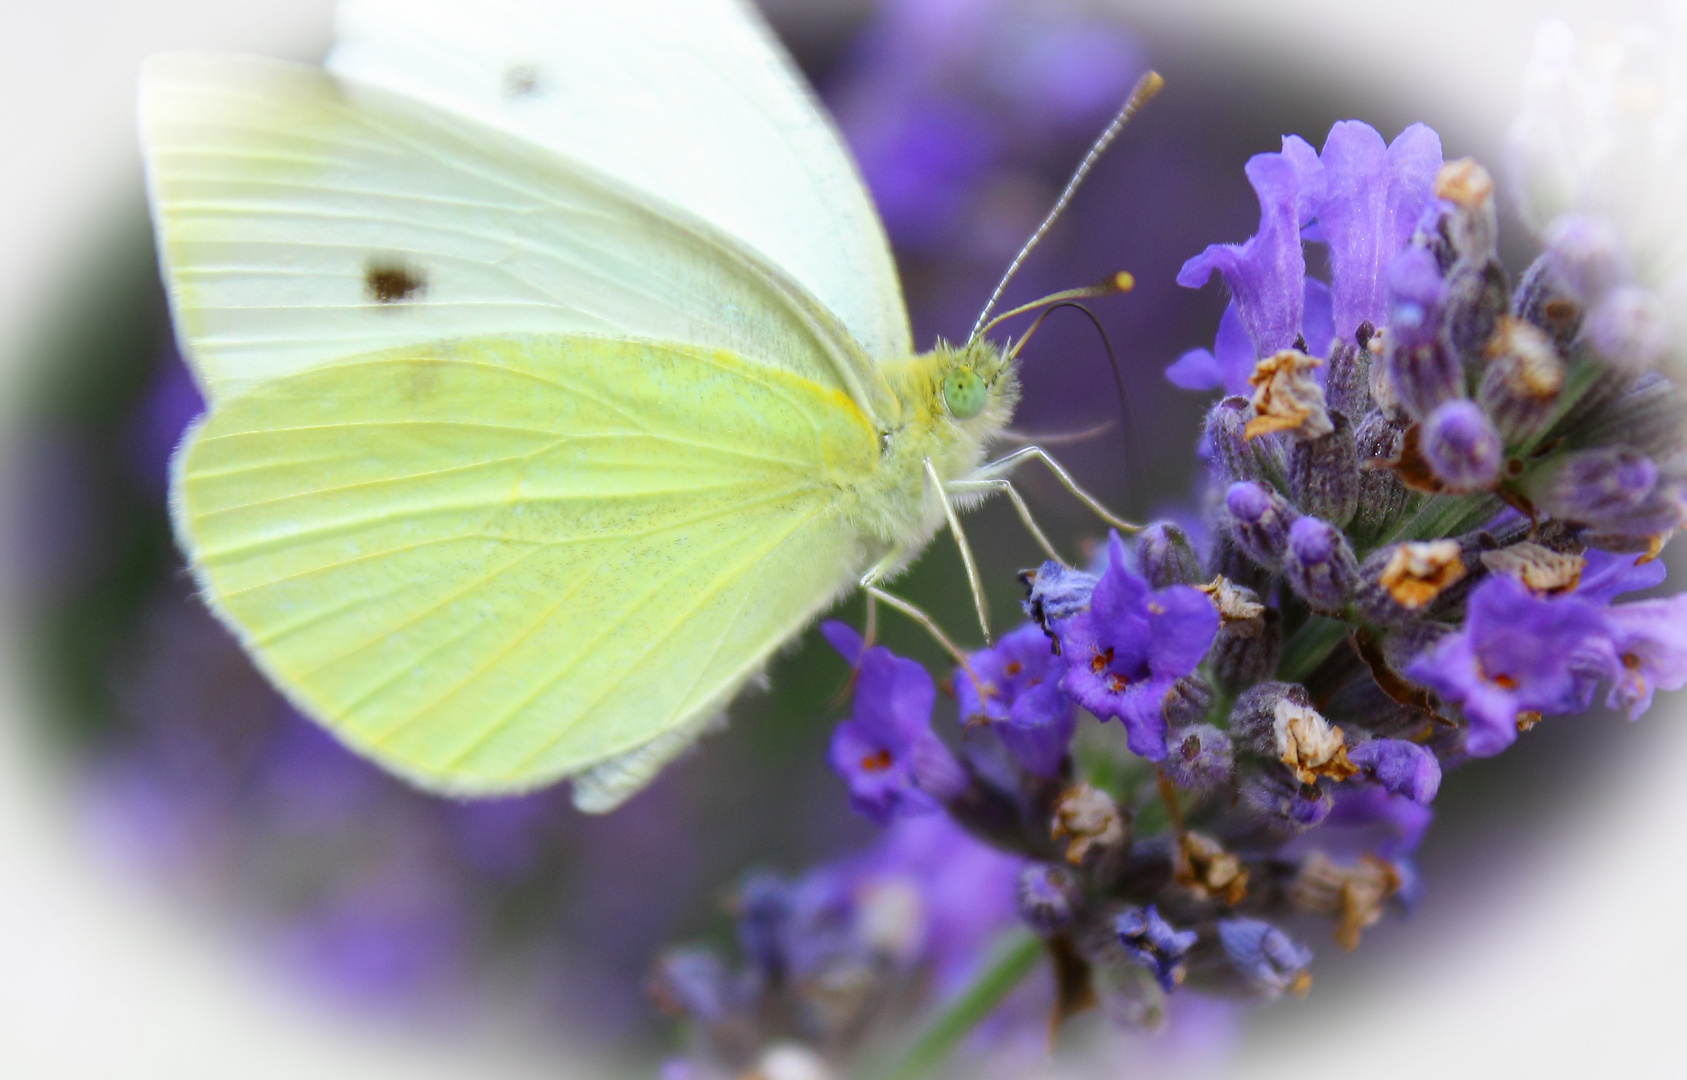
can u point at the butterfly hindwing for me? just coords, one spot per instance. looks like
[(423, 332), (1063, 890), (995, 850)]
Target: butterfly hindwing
[(488, 564)]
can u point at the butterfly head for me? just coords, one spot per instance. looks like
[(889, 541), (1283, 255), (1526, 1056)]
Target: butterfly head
[(976, 383)]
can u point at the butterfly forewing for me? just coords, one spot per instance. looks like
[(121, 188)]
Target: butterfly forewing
[(691, 101), (303, 220), (491, 563)]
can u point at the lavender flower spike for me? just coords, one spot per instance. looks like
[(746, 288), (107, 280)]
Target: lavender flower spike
[(1129, 649)]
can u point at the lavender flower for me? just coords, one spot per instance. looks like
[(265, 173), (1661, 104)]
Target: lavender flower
[(1155, 944), (1131, 646), (886, 751), (1268, 959), (1020, 678), (1517, 653)]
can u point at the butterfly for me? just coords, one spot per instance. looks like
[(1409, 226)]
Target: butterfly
[(558, 373)]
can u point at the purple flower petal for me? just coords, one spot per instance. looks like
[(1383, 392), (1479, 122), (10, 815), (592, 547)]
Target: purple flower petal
[(1374, 197)]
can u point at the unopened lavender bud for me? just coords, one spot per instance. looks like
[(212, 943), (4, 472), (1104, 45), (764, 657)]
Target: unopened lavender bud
[(1628, 326), (1259, 520), (1587, 257), (1237, 456), (1090, 822), (1187, 701), (1324, 473), (1231, 562), (1521, 382), (1617, 493), (1247, 650), (1347, 380), (1167, 557), (1398, 581), (1277, 720), (1054, 592), (1198, 757), (1267, 960), (1155, 944), (1319, 565), (1477, 298), (1281, 806), (763, 908), (1462, 447), (1046, 896), (1470, 225), (1544, 301), (693, 983), (1421, 373), (1400, 767), (1382, 497)]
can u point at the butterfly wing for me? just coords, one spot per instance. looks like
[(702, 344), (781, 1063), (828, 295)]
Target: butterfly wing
[(692, 101), (488, 564), (303, 219)]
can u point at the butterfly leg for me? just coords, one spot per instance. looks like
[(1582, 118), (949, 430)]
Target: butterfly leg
[(973, 579), (1024, 511), (1001, 467)]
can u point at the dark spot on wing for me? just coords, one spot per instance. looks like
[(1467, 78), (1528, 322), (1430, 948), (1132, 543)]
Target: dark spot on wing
[(521, 81), (387, 282)]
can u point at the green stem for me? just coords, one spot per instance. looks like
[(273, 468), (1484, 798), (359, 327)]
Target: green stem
[(1013, 958)]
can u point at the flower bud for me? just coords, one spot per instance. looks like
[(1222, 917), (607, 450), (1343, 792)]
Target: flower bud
[(1629, 326), (1054, 592), (1237, 456), (1276, 720), (1166, 556), (1470, 224), (1324, 473), (1281, 806), (1155, 944), (1477, 298), (1382, 497), (1398, 581), (1089, 820), (1046, 897), (1347, 380), (1400, 767), (1247, 650), (1198, 757), (1462, 447), (1187, 701), (1521, 382), (1421, 372), (1259, 521), (1267, 960), (1544, 301), (1319, 565), (1618, 493)]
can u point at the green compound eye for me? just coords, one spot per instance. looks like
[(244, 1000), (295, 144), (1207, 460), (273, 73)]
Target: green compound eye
[(964, 393)]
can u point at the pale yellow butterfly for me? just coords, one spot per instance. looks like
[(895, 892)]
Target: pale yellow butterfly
[(558, 373)]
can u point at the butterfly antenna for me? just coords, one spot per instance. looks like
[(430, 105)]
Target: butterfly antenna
[(1144, 91), (1133, 445)]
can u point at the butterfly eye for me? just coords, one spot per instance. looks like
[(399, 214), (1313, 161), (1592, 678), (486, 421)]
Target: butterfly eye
[(964, 393)]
